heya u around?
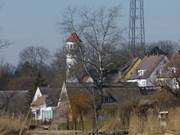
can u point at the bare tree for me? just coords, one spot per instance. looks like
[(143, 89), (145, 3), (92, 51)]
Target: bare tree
[(35, 55), (33, 68), (5, 100), (167, 46), (170, 87), (58, 68), (6, 74), (101, 36), (173, 84), (4, 43)]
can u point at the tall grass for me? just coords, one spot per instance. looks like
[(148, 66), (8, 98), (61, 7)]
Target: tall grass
[(10, 125), (174, 120), (148, 126), (151, 125)]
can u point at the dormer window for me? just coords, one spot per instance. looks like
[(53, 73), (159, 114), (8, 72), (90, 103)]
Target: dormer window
[(175, 84), (141, 72), (173, 70)]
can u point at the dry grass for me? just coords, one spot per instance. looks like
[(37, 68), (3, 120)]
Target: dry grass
[(174, 120), (10, 125), (134, 124), (151, 126)]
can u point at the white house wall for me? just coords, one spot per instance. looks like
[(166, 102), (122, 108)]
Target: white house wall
[(45, 113)]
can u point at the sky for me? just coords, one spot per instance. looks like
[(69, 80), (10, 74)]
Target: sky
[(34, 22)]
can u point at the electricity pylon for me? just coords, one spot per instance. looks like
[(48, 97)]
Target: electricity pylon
[(136, 25)]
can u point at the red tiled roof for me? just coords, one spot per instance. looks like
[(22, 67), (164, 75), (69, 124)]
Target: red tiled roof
[(73, 38)]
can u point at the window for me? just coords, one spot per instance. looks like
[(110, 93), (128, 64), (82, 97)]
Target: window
[(141, 72), (38, 112), (142, 83), (71, 46), (108, 100), (173, 69)]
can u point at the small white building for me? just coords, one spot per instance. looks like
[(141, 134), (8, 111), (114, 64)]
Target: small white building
[(44, 103)]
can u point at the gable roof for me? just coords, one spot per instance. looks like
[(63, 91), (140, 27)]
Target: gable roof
[(122, 92), (73, 37), (14, 101), (149, 63), (51, 95)]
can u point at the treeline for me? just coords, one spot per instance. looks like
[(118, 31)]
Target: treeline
[(37, 67)]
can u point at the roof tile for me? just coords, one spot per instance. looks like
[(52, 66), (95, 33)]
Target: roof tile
[(73, 38)]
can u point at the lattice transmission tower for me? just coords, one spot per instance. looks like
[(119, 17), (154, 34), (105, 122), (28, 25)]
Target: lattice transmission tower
[(136, 25)]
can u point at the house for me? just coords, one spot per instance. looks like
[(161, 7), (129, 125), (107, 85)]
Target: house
[(14, 101), (44, 103), (114, 95), (149, 69)]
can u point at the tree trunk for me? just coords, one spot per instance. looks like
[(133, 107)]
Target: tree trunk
[(82, 121), (94, 113), (67, 122), (75, 123)]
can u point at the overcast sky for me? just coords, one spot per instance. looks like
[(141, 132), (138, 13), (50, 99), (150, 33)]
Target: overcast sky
[(33, 22)]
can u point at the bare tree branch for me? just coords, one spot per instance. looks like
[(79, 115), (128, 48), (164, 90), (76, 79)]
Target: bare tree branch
[(4, 43)]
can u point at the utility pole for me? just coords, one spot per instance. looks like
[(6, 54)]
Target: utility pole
[(136, 25)]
